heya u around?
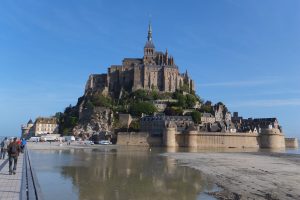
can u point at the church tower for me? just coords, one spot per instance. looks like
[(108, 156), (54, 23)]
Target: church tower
[(149, 48)]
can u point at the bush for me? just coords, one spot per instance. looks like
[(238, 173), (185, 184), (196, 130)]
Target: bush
[(196, 116), (191, 100), (134, 126), (140, 95), (136, 109), (102, 101), (173, 111)]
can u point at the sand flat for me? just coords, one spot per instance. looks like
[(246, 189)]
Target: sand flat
[(248, 175)]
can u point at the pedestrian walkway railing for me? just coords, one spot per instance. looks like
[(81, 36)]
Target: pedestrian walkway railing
[(30, 188)]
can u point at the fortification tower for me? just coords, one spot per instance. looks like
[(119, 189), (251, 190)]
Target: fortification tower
[(192, 137), (169, 138), (271, 138)]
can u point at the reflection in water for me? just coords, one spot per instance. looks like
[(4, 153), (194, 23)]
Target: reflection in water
[(119, 173)]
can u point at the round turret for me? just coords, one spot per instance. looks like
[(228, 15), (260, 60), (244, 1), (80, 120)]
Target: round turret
[(192, 136), (271, 138), (169, 137)]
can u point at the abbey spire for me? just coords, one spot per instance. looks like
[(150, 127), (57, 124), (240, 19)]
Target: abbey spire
[(149, 48), (149, 32)]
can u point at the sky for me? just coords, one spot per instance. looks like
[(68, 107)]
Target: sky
[(242, 53)]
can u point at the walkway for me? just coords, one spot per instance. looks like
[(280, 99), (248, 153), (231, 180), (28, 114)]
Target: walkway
[(10, 185)]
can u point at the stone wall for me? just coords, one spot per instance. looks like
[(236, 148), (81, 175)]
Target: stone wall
[(291, 142), (217, 140), (171, 138), (97, 82), (138, 139), (194, 139)]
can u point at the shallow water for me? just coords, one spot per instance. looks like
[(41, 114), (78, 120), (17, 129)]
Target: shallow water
[(116, 173)]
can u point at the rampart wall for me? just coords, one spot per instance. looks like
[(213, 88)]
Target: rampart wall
[(138, 139), (291, 143), (216, 139), (268, 139)]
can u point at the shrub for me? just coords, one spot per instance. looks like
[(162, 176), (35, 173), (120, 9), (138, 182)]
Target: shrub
[(173, 111), (101, 100), (196, 116), (136, 109)]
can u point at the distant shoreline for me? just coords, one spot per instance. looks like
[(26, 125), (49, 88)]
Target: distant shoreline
[(248, 175)]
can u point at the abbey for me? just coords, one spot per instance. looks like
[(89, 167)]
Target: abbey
[(156, 70)]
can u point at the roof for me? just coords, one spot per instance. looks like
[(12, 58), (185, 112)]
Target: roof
[(167, 118), (30, 122), (133, 59), (44, 120), (265, 120), (207, 115), (149, 44)]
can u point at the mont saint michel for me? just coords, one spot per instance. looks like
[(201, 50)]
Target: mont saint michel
[(155, 71), (148, 102), (133, 100)]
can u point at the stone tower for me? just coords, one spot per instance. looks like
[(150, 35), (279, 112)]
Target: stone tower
[(149, 48), (169, 135)]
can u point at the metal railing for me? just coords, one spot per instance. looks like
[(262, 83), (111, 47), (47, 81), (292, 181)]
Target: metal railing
[(30, 188)]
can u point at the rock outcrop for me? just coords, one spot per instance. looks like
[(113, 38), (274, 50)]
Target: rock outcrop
[(93, 120)]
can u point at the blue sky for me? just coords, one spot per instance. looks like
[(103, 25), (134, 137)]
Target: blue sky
[(243, 53)]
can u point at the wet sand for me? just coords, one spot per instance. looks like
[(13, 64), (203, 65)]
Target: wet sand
[(248, 175)]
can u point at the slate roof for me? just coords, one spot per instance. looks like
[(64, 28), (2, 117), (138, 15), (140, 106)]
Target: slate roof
[(149, 44)]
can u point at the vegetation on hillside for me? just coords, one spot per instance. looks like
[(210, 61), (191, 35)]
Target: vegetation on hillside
[(67, 120), (137, 103)]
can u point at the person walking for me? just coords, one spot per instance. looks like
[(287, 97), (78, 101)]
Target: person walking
[(23, 144), (13, 153), (4, 145)]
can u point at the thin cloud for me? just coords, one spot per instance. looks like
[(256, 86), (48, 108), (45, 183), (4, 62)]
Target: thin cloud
[(246, 83), (268, 103)]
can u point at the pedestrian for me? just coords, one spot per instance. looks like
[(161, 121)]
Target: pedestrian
[(13, 153), (19, 142), (23, 144), (4, 145)]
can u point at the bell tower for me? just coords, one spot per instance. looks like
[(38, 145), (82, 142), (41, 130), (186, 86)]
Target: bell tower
[(149, 48)]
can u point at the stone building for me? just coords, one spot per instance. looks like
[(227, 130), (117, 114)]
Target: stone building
[(156, 124), (156, 70), (254, 125), (161, 104), (27, 129), (45, 125), (207, 118), (41, 126)]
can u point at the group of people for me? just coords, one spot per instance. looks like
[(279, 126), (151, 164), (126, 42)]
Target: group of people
[(12, 147)]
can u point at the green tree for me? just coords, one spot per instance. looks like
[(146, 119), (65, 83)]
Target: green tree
[(196, 116), (173, 111), (155, 95), (136, 109), (140, 95), (101, 100), (185, 88), (190, 100)]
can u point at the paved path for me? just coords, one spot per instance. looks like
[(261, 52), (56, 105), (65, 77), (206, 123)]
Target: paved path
[(10, 185)]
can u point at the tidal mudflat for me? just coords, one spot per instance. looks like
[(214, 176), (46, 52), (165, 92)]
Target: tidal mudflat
[(260, 175)]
